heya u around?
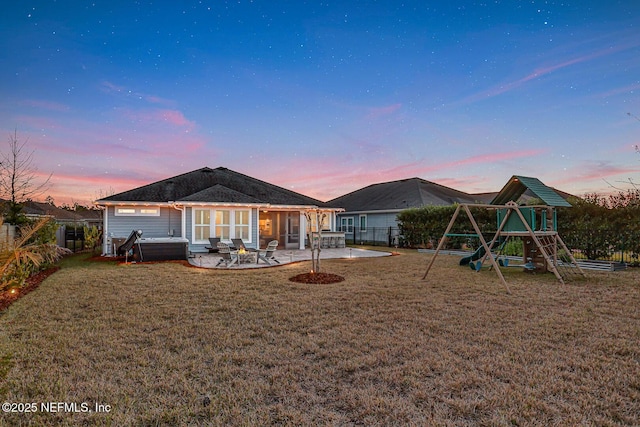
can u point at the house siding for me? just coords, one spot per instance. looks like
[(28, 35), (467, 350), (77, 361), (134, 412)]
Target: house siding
[(151, 226)]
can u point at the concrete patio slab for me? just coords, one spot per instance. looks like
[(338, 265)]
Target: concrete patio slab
[(287, 257)]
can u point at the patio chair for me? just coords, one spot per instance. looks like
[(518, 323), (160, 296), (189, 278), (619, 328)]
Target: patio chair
[(213, 241), (238, 244), (225, 253), (267, 254)]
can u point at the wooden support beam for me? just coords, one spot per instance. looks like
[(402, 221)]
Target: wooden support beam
[(487, 248), (546, 256), (550, 258), (442, 240)]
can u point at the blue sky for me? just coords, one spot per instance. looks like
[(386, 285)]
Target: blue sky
[(322, 97)]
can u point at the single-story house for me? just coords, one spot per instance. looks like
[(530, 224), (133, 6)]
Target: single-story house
[(205, 203), (370, 213), (78, 218)]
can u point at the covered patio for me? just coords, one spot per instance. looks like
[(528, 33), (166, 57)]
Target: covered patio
[(285, 256)]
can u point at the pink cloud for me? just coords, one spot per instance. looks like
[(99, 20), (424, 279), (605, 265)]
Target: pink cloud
[(618, 91), (46, 105), (176, 118), (170, 117), (375, 113), (324, 179), (594, 171), (109, 87), (542, 71), (112, 88)]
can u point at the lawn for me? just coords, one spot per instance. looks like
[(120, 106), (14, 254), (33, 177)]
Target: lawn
[(166, 344)]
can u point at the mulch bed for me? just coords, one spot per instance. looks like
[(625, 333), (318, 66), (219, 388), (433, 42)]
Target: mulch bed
[(317, 278), (8, 297)]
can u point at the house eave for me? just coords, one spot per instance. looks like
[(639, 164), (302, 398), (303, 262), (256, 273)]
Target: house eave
[(380, 211), (130, 203), (216, 204), (267, 206)]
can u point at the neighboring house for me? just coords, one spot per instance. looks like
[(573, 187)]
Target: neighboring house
[(370, 213), (79, 218), (70, 223), (212, 203)]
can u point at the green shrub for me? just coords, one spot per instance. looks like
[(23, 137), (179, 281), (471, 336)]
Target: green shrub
[(91, 237), (513, 247)]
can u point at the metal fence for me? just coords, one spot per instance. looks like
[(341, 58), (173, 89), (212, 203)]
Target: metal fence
[(374, 236)]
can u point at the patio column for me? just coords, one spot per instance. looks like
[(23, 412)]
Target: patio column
[(303, 230)]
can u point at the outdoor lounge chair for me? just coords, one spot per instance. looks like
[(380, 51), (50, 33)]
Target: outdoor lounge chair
[(225, 253), (213, 241), (238, 244), (267, 254)]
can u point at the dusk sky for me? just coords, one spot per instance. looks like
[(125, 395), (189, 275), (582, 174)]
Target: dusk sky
[(324, 97)]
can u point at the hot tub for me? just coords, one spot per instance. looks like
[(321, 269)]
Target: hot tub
[(161, 249)]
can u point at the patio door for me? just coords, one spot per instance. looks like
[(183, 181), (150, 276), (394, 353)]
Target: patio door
[(292, 237), (282, 226)]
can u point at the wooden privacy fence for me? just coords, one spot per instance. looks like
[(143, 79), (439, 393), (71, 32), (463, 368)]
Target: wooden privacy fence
[(7, 233)]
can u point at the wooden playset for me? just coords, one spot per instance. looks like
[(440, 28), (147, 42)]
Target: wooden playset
[(536, 226)]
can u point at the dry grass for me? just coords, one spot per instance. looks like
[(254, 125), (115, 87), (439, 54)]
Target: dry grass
[(380, 348)]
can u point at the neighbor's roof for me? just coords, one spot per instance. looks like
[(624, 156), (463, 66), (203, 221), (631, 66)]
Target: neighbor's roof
[(398, 195), (518, 185), (220, 185), (32, 208)]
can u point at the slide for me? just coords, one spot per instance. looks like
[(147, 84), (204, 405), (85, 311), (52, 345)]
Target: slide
[(128, 244), (479, 253)]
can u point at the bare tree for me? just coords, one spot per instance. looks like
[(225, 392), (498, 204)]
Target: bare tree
[(315, 218), (18, 178)]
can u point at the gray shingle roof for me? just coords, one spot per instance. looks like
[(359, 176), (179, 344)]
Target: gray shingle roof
[(402, 194), (220, 185)]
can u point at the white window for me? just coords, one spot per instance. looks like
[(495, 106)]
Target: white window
[(363, 223), (223, 225), (137, 211), (242, 225), (346, 224), (202, 225)]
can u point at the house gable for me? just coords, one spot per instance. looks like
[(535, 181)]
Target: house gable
[(220, 193)]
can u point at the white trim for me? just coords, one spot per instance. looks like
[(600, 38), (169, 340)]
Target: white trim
[(347, 220), (382, 211), (131, 203), (301, 233), (212, 223), (136, 211), (105, 232), (360, 222)]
